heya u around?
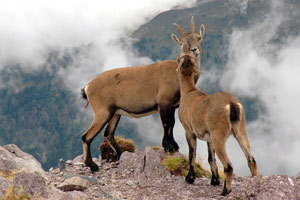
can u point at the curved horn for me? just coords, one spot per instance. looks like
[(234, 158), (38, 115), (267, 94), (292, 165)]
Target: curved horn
[(193, 30), (179, 29)]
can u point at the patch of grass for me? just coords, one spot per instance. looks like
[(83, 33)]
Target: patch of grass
[(10, 193), (7, 174), (155, 148), (221, 174), (180, 166)]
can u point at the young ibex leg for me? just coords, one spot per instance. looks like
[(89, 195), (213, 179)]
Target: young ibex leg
[(192, 142), (168, 121), (242, 138), (109, 134), (213, 164), (100, 119), (219, 146)]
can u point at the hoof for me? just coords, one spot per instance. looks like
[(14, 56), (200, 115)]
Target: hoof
[(190, 178), (225, 191), (171, 147), (175, 145), (93, 166), (215, 181)]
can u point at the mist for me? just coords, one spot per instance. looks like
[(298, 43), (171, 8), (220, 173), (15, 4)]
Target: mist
[(94, 34)]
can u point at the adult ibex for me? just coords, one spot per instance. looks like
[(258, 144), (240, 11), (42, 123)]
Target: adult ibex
[(134, 92), (211, 118)]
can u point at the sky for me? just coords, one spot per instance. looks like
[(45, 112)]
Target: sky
[(101, 31)]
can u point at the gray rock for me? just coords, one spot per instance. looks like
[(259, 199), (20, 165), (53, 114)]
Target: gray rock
[(73, 195), (31, 184), (137, 175), (4, 185), (150, 167), (13, 158), (145, 166), (274, 187), (78, 159), (74, 183)]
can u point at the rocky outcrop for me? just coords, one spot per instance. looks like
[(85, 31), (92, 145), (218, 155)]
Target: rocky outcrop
[(22, 177), (14, 159), (74, 183), (138, 175)]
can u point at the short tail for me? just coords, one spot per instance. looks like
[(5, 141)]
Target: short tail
[(84, 96), (235, 112)]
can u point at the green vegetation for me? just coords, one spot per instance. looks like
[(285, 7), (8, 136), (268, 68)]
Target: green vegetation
[(180, 166), (155, 148), (11, 193), (7, 174)]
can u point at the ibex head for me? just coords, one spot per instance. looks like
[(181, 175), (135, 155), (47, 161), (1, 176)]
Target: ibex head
[(190, 44)]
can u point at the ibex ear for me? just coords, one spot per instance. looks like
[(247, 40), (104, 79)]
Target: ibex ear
[(176, 39), (201, 32)]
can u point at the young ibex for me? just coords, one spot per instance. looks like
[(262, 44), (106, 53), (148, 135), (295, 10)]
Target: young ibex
[(134, 92), (211, 118)]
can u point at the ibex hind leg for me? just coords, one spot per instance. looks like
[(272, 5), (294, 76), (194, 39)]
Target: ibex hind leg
[(109, 134), (167, 116), (213, 165), (219, 138), (241, 136), (100, 119)]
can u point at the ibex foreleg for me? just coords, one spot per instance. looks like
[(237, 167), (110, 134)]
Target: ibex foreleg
[(168, 121), (192, 142)]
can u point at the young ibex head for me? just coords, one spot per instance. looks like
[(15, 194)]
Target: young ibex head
[(190, 44), (187, 63)]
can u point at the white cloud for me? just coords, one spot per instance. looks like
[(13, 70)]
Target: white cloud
[(31, 29)]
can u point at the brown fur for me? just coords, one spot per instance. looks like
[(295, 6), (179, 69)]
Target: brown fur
[(211, 118), (135, 92)]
